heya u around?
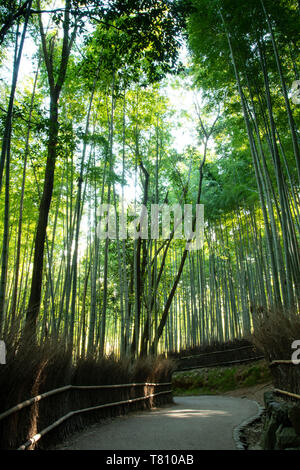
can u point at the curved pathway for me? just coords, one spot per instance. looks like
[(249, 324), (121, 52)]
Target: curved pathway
[(191, 423)]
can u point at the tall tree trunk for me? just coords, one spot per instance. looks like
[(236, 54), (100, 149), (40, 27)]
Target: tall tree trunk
[(5, 155), (40, 236)]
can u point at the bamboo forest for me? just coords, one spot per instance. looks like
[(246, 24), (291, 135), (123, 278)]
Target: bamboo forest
[(158, 103)]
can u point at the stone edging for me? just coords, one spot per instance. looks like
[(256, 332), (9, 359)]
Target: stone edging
[(238, 429)]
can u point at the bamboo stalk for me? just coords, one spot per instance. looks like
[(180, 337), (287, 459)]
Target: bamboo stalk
[(25, 403), (289, 394), (146, 384)]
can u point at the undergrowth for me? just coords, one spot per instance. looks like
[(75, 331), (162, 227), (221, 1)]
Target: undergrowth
[(275, 331), (211, 381), (31, 370)]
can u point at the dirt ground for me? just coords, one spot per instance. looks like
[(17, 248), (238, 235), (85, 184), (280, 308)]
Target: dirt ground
[(251, 435), (255, 392), (190, 423)]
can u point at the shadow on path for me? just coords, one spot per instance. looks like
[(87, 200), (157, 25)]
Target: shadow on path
[(191, 423)]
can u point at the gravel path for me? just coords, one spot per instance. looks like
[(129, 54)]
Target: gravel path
[(191, 423)]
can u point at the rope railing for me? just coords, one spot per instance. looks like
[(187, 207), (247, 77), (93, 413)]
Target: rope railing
[(66, 388)]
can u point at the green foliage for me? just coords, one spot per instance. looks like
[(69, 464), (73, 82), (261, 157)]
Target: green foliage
[(220, 379), (122, 51)]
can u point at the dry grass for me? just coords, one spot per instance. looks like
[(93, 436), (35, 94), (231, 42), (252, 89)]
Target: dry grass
[(274, 333), (33, 369), (153, 369)]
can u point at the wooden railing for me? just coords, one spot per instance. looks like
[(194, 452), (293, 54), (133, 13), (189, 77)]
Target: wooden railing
[(290, 378), (204, 360), (33, 439)]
